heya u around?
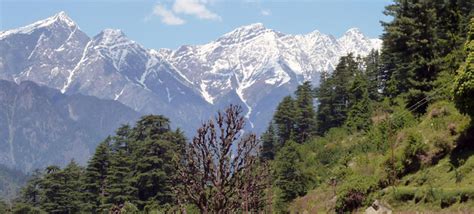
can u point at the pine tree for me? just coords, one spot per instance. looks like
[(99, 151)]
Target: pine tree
[(52, 190), (333, 94), (413, 49), (61, 189), (119, 188), (268, 144), (452, 27), (360, 109), (341, 80), (464, 82), (30, 193), (375, 76), (284, 119), (94, 180), (149, 126), (119, 180), (72, 187), (21, 208), (154, 170), (155, 167), (288, 178), (325, 95), (305, 119)]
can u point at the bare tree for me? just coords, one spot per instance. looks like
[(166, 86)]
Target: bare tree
[(220, 172)]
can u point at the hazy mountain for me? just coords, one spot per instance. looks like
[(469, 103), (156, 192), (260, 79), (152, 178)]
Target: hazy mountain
[(253, 66), (11, 182), (40, 126)]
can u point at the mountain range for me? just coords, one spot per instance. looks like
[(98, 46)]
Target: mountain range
[(252, 66), (40, 126)]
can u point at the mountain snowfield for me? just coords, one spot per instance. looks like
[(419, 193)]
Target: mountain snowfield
[(252, 66)]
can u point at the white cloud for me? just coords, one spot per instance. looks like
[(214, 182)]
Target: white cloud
[(196, 8), (173, 16), (265, 12), (167, 16)]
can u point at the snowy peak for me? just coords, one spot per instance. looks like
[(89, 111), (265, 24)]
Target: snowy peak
[(59, 21), (246, 29), (244, 33), (353, 37), (64, 18), (354, 33), (316, 39), (111, 36), (356, 42)]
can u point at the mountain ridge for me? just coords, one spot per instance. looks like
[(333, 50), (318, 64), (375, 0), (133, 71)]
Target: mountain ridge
[(243, 67)]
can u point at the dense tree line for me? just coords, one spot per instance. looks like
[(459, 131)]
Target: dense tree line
[(149, 167), (137, 166)]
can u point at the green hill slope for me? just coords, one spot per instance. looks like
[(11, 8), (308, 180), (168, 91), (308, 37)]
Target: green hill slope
[(429, 166)]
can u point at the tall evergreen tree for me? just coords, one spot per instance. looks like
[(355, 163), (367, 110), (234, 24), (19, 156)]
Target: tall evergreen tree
[(61, 189), (154, 172), (269, 144), (464, 82), (284, 119), (52, 190), (30, 193), (95, 175), (358, 117), (452, 26), (419, 43), (374, 74), (119, 188), (288, 178), (119, 180), (325, 95), (341, 81), (150, 126), (305, 117), (72, 187), (334, 95), (155, 159)]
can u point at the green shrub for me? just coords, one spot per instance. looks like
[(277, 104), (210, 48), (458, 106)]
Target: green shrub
[(442, 144), (438, 196), (414, 148), (378, 136), (22, 208), (403, 194), (355, 192), (467, 167), (129, 208), (3, 206)]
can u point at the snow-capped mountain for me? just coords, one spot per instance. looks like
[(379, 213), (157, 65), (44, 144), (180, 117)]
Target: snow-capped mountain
[(252, 66)]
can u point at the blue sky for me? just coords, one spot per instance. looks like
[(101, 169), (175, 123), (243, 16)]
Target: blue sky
[(171, 23)]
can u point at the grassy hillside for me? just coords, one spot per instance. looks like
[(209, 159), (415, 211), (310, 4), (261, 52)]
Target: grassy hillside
[(425, 164)]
